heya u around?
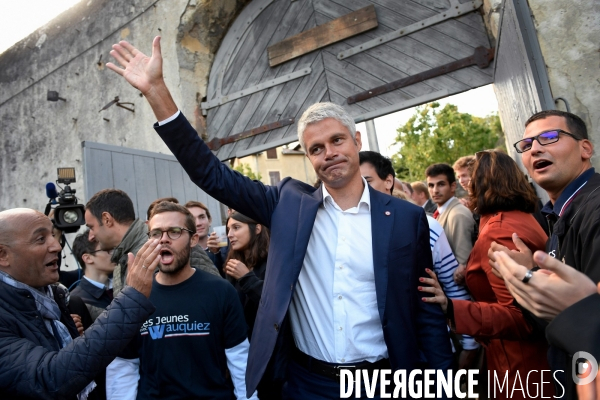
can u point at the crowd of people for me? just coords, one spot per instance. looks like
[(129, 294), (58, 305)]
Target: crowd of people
[(360, 272)]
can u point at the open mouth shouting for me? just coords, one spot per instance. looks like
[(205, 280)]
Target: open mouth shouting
[(541, 165), (166, 257), (52, 264)]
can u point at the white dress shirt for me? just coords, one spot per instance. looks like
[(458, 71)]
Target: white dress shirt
[(333, 312), (443, 207)]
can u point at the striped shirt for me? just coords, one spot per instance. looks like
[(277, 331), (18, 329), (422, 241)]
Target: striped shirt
[(444, 265)]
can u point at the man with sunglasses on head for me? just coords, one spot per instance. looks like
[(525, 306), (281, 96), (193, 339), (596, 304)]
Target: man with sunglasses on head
[(197, 332), (556, 152)]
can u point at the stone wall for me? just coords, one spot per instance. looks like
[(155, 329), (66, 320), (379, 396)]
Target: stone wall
[(568, 33), (491, 18), (569, 36), (68, 55)]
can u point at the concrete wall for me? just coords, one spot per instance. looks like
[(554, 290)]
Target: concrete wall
[(491, 18), (568, 33), (68, 55), (569, 37)]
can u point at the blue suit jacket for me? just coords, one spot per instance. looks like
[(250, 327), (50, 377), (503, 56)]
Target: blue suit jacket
[(401, 252)]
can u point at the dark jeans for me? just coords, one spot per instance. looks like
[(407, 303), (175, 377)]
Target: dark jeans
[(303, 384)]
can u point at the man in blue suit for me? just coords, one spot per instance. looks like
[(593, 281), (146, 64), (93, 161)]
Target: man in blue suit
[(344, 260)]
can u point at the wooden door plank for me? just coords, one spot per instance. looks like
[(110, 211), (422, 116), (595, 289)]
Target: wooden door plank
[(415, 52), (242, 122), (297, 20), (323, 35), (253, 47)]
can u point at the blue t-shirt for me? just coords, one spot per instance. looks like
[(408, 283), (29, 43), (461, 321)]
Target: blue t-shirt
[(182, 345)]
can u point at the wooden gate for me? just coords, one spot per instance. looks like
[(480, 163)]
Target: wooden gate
[(373, 43), (520, 78)]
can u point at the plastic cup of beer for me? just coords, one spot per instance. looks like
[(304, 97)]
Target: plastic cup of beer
[(221, 235)]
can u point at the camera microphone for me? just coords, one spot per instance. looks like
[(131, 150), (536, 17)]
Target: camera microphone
[(51, 191)]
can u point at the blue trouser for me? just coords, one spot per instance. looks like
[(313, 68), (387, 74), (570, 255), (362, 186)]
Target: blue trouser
[(302, 385)]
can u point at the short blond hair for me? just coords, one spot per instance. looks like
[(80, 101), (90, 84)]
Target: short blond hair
[(400, 194), (464, 162), (420, 187)]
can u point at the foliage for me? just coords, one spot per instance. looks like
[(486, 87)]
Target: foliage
[(442, 136), (245, 169)]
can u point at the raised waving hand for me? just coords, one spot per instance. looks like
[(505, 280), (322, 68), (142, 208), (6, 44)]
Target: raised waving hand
[(145, 74)]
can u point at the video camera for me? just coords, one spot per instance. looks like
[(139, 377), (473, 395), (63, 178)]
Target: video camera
[(68, 215)]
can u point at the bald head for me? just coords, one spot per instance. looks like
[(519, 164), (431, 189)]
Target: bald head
[(14, 220), (28, 248)]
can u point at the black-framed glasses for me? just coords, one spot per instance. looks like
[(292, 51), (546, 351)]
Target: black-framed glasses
[(173, 233), (109, 251), (545, 138)]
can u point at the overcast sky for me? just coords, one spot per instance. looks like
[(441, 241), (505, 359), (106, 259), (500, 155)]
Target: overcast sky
[(19, 18)]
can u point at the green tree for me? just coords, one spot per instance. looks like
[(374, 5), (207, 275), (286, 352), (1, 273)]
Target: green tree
[(442, 136), (245, 169)]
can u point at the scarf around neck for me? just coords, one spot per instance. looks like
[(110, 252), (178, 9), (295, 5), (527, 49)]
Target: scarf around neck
[(46, 306)]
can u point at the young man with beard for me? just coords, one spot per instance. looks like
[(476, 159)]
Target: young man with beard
[(456, 219), (197, 332), (199, 258)]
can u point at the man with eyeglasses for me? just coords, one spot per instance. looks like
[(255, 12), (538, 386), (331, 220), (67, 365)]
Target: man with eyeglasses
[(197, 332), (95, 287), (556, 152)]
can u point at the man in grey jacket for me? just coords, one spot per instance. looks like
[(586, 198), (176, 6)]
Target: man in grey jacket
[(41, 354), (111, 218)]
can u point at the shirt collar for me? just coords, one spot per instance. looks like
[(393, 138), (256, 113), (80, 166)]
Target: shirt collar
[(365, 198), (98, 284), (445, 205), (568, 194)]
